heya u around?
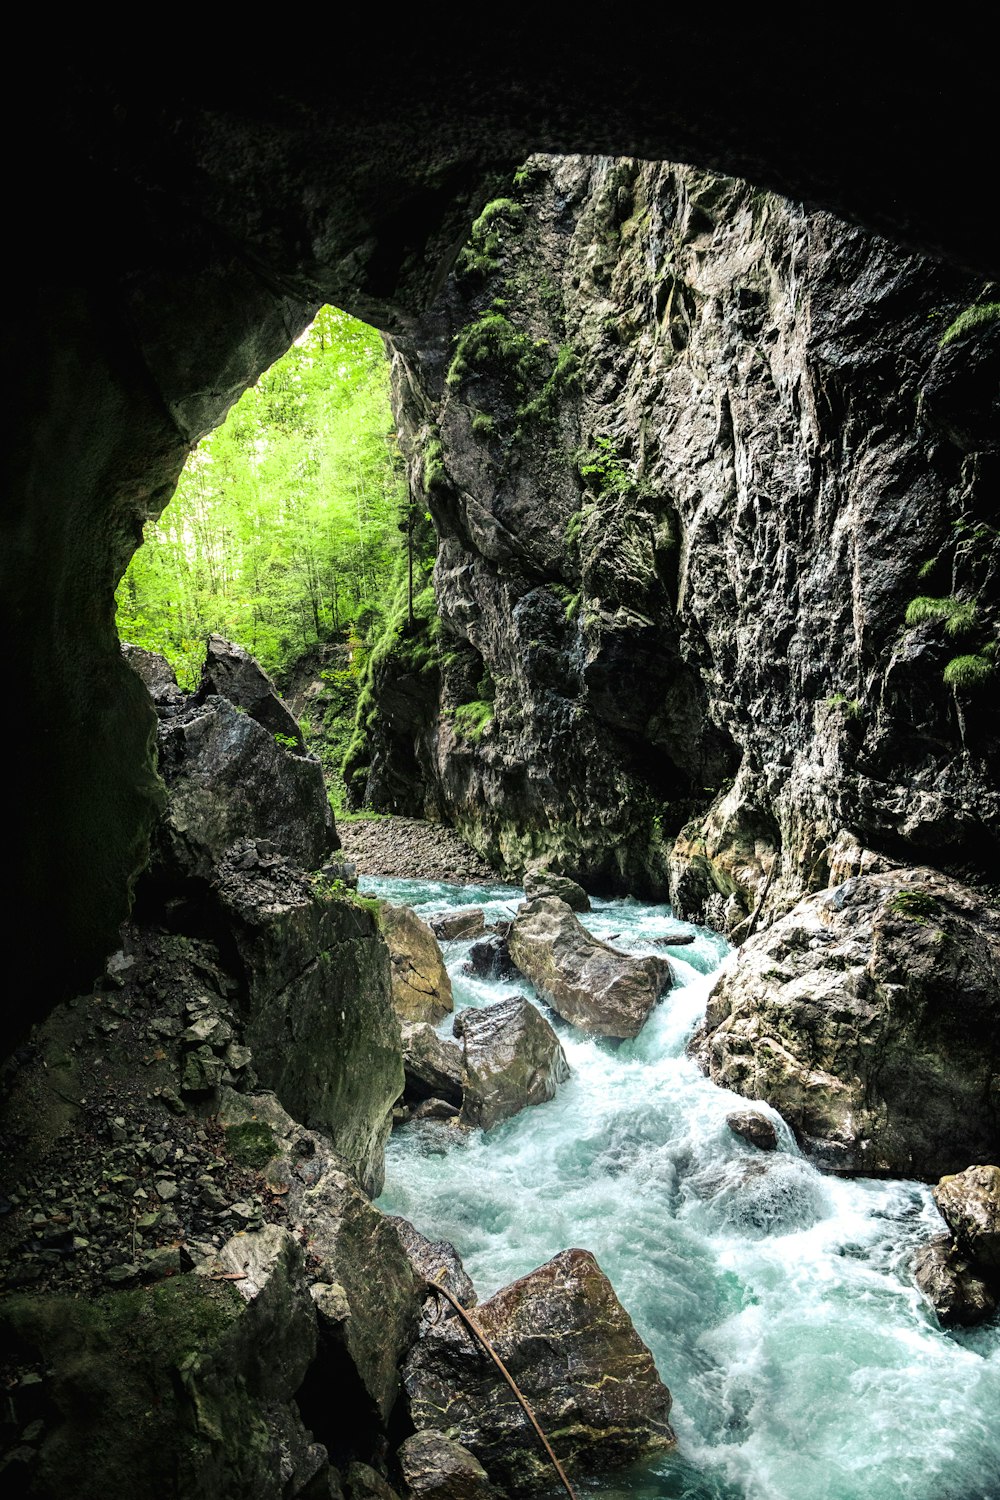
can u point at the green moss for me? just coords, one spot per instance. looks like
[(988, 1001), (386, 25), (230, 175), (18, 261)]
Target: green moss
[(850, 706), (565, 376), (435, 475), (968, 671), (918, 906), (483, 424), (471, 719), (959, 615), (480, 256), (492, 342), (974, 318), (252, 1144)]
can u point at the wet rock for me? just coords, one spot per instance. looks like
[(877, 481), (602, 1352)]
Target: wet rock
[(969, 1202), (421, 988), (437, 1261), (869, 1016), (362, 1482), (436, 1468), (466, 922), (228, 780), (433, 1109), (755, 1128), (545, 883), (586, 981), (370, 1305), (319, 1017), (490, 959), (232, 673), (955, 1288), (512, 1059), (433, 1065), (576, 1356)]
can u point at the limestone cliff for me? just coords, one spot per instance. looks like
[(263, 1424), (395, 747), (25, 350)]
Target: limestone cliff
[(692, 452)]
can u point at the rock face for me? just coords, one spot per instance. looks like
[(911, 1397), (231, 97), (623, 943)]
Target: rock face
[(586, 981), (869, 1016), (576, 1356), (969, 1202), (436, 1260), (754, 455), (957, 1290), (512, 1059), (421, 988), (319, 1016), (232, 673), (434, 1067)]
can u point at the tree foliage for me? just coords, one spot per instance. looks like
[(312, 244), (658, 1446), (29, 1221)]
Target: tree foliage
[(284, 529)]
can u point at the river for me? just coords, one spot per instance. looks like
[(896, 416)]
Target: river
[(803, 1362)]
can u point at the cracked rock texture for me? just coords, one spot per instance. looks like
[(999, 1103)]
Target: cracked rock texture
[(691, 451)]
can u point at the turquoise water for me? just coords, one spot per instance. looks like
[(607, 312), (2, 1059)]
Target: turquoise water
[(803, 1363)]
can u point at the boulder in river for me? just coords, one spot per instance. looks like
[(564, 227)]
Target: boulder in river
[(512, 1059), (434, 1066), (969, 1202), (958, 1292), (436, 1260), (754, 1128), (545, 883), (421, 988), (465, 922), (869, 1016), (574, 1353), (490, 959), (584, 980)]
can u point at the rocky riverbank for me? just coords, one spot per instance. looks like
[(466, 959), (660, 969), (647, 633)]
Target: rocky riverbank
[(411, 849)]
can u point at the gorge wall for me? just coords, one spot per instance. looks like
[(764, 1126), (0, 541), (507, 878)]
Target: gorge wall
[(691, 452)]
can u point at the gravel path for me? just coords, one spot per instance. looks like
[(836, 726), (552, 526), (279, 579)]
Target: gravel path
[(411, 849)]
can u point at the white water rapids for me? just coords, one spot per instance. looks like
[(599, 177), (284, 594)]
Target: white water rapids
[(778, 1303)]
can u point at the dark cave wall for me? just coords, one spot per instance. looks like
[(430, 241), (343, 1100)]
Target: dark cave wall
[(175, 227)]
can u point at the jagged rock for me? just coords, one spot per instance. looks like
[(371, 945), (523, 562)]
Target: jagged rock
[(365, 1293), (466, 922), (755, 1128), (576, 1356), (545, 883), (232, 673), (421, 988), (436, 1260), (490, 959), (436, 1468), (434, 1066), (158, 677), (361, 1482), (228, 780), (951, 1283), (585, 980), (869, 1017), (969, 1202), (512, 1058), (319, 1017), (189, 1382)]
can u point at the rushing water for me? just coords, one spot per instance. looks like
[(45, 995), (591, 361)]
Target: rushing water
[(803, 1363)]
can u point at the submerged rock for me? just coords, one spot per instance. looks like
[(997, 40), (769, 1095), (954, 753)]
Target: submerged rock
[(421, 988), (577, 1358), (584, 980), (958, 1292), (512, 1059), (969, 1202), (545, 883), (870, 1017)]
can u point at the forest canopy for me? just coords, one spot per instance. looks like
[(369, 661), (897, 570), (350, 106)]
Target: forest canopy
[(285, 527)]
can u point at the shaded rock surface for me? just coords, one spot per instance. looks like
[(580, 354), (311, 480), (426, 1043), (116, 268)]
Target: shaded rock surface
[(436, 1260), (421, 988), (467, 922), (544, 883), (576, 1356), (490, 959), (957, 1290), (512, 1059), (434, 1065), (436, 1468), (586, 981), (870, 1017)]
